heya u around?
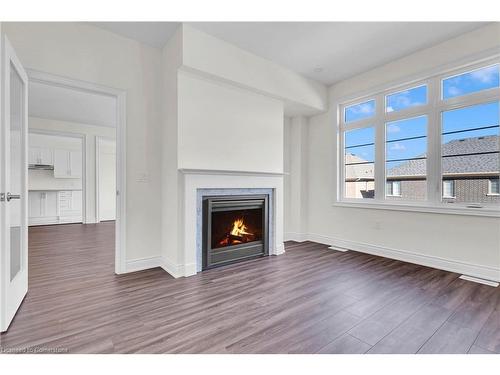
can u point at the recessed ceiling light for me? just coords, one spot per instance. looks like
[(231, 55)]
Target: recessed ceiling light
[(318, 70)]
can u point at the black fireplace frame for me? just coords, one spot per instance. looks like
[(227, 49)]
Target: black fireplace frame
[(222, 256)]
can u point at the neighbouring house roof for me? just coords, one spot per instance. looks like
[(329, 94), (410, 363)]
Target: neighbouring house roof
[(358, 171), (470, 164)]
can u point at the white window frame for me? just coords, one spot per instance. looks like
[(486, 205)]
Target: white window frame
[(433, 109), (452, 196), (392, 182), (490, 190)]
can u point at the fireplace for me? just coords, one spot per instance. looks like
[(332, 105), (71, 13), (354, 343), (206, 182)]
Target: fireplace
[(235, 228)]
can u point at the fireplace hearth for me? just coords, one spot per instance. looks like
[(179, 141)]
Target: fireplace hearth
[(235, 228)]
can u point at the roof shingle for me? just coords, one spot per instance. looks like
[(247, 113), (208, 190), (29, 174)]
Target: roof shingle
[(481, 163)]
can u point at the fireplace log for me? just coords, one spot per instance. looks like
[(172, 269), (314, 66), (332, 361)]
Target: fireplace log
[(232, 238)]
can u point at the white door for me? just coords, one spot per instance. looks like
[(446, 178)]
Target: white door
[(13, 186), (106, 179)]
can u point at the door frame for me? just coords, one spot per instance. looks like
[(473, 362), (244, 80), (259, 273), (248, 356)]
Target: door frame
[(98, 139), (121, 123), (83, 139)]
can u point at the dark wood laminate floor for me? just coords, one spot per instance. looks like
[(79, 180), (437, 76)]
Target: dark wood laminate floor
[(310, 300)]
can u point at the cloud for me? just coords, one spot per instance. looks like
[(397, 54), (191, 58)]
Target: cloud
[(393, 128), (454, 91), (485, 75), (398, 147), (364, 108), (401, 100)]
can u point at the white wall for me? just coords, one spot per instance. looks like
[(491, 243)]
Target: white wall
[(217, 58), (90, 54), (171, 237), (223, 110), (224, 127), (286, 177), (467, 242), (90, 132), (296, 178)]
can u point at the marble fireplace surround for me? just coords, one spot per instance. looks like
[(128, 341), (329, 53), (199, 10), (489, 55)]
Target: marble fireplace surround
[(199, 183)]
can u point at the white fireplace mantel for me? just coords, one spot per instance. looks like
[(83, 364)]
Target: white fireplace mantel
[(194, 179), (229, 172)]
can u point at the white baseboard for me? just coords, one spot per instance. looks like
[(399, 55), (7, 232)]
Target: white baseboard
[(468, 269), (321, 239), (52, 220), (189, 269), (336, 248), (143, 264), (293, 236), (475, 270), (178, 270), (279, 250), (479, 281), (171, 268)]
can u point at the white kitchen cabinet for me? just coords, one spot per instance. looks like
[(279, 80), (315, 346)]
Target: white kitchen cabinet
[(40, 155), (42, 207), (67, 164), (70, 206), (55, 207)]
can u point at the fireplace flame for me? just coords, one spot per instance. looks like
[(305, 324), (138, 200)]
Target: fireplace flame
[(239, 229), (239, 234)]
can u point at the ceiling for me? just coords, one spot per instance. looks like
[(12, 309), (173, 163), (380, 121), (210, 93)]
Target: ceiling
[(155, 34), (59, 103), (324, 51)]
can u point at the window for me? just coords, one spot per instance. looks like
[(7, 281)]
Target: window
[(470, 148), (406, 99), (430, 143), (471, 82), (393, 188), (359, 156), (449, 189), (406, 155), (360, 111), (493, 186)]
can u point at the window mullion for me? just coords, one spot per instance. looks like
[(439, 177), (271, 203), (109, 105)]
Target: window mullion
[(434, 145), (380, 149)]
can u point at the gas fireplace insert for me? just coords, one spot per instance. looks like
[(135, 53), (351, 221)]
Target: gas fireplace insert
[(235, 228)]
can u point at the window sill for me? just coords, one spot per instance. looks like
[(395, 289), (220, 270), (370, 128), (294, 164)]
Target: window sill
[(408, 207), (493, 195)]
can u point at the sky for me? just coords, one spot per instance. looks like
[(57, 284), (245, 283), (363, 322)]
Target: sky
[(397, 146)]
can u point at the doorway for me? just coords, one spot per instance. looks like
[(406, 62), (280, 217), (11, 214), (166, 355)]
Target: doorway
[(63, 164), (88, 92)]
